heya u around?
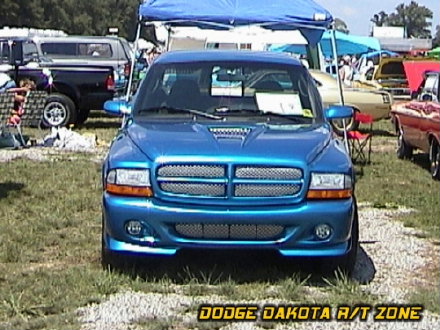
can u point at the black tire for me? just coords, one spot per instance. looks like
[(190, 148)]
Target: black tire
[(350, 125), (83, 115), (434, 159), (59, 110), (115, 261), (404, 151)]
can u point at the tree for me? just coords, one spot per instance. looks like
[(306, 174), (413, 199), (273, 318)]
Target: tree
[(413, 18), (341, 26), (436, 40), (83, 17), (380, 19)]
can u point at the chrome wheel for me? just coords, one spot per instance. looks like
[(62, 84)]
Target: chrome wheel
[(55, 113)]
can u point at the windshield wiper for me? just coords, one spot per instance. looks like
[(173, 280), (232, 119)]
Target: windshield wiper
[(296, 118), (192, 111)]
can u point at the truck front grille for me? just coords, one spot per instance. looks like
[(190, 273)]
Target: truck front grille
[(266, 190), (194, 189), (229, 181), (229, 231), (197, 171), (264, 173)]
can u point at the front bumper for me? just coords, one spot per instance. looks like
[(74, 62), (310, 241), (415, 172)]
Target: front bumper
[(296, 239)]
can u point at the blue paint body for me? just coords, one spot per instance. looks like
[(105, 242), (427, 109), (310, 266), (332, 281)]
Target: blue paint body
[(151, 142)]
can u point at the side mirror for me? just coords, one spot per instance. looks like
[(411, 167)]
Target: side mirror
[(338, 112), (117, 108)]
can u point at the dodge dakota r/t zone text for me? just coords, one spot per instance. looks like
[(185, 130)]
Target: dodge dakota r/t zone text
[(207, 160)]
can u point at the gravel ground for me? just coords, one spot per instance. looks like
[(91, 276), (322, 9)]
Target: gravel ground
[(50, 154), (390, 261)]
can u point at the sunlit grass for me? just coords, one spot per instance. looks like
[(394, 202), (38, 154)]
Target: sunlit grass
[(50, 215)]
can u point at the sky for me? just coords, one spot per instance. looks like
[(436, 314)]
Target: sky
[(357, 13)]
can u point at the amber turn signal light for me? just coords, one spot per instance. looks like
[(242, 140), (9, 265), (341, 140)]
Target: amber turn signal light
[(329, 194), (129, 190)]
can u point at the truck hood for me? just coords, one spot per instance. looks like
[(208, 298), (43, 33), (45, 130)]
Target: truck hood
[(162, 142)]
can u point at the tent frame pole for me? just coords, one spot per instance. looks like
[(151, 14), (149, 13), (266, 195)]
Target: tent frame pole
[(133, 60), (338, 78)]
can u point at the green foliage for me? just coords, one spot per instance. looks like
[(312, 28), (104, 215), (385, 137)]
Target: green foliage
[(82, 17), (413, 17)]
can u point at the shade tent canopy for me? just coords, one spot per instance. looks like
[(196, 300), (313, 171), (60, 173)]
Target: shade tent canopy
[(305, 15), (346, 44)]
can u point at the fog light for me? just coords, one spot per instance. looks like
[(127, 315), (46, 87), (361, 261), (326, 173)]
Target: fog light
[(133, 227), (323, 231)]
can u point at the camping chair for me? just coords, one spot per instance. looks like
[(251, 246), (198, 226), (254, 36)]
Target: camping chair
[(33, 107), (360, 142), (7, 140)]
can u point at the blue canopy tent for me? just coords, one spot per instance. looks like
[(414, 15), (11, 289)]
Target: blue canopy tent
[(305, 15), (346, 44)]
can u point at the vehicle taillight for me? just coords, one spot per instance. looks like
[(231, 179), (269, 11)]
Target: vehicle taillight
[(127, 69), (110, 83)]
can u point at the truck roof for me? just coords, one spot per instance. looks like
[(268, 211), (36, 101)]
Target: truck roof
[(226, 55)]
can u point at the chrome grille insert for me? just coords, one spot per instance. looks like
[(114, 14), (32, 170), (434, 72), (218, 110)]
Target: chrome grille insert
[(260, 172), (195, 189), (197, 171), (266, 190), (232, 231)]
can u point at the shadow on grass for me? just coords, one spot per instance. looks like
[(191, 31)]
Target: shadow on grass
[(242, 266), (7, 187)]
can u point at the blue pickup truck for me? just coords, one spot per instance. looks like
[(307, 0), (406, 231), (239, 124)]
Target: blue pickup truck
[(211, 158)]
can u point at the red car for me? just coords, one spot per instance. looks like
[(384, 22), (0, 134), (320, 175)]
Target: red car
[(417, 122)]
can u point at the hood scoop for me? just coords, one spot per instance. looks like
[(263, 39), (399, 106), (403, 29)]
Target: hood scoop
[(230, 132)]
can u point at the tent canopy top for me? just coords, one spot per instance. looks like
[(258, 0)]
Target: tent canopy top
[(305, 15), (347, 44)]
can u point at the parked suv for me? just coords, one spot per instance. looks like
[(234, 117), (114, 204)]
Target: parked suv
[(107, 51), (209, 159)]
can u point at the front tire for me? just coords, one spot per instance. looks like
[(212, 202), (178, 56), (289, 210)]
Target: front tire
[(404, 151), (59, 110), (434, 159)]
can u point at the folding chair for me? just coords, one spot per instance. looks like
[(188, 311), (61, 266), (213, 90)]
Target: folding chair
[(33, 107), (7, 140), (360, 142)]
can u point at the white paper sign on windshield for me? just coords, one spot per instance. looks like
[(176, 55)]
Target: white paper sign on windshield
[(282, 103)]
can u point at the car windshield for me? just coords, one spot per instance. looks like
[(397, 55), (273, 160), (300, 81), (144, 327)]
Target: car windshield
[(229, 91)]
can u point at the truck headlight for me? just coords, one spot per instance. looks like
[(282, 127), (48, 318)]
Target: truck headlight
[(129, 182), (330, 186)]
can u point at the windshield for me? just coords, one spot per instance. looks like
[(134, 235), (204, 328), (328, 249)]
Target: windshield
[(229, 91)]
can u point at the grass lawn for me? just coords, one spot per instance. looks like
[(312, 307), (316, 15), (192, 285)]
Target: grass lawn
[(50, 239)]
